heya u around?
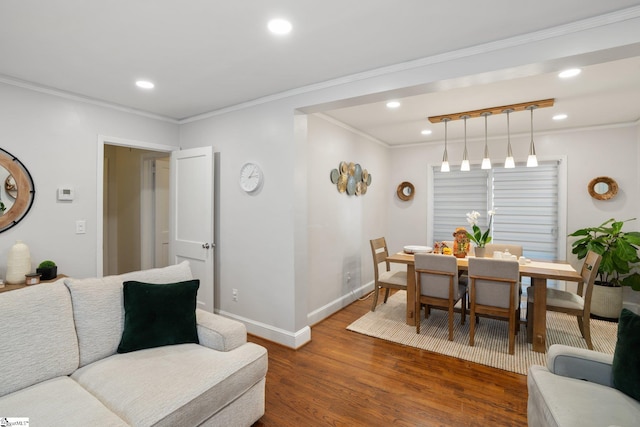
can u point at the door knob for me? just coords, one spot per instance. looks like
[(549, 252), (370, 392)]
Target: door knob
[(205, 245)]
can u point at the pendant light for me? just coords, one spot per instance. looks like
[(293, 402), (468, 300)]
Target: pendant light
[(509, 163), (465, 166), (532, 160), (486, 161), (445, 156)]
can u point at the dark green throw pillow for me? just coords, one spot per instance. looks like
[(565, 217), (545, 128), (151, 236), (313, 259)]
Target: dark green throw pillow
[(626, 358), (158, 314)]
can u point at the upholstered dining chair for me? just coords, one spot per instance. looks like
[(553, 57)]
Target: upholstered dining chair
[(494, 292), (578, 304), (437, 286), (386, 279)]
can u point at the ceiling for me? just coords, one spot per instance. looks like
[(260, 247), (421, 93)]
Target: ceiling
[(205, 55)]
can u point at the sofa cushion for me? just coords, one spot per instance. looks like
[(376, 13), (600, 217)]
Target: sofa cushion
[(58, 402), (173, 385), (626, 357), (98, 307), (555, 400), (156, 315), (38, 337)]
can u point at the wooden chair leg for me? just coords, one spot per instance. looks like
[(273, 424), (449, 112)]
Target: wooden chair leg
[(587, 332), (418, 314), (472, 326), (512, 333), (386, 295), (580, 325), (464, 310), (450, 322), (376, 291)]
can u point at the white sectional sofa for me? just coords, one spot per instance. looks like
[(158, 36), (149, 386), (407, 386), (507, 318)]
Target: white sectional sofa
[(59, 364)]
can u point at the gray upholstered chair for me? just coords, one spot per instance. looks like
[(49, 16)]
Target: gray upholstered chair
[(578, 304), (386, 279), (494, 292), (437, 286)]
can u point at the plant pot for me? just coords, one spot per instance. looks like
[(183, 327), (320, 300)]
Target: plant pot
[(479, 252), (48, 273), (606, 301)]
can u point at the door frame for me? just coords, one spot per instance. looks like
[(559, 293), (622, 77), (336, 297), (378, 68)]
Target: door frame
[(122, 142)]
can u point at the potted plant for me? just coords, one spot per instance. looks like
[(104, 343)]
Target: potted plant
[(478, 237), (48, 270), (619, 251)]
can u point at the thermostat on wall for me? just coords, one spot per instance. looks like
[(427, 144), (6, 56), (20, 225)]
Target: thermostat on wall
[(65, 193)]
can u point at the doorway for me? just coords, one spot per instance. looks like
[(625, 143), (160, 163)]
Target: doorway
[(135, 209)]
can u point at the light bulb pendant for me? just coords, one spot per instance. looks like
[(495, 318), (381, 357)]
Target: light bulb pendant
[(509, 162), (486, 160), (532, 160)]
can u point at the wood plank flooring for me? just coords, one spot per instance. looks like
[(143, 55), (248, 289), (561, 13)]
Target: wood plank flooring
[(342, 378)]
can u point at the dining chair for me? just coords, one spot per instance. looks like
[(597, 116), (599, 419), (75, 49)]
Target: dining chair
[(494, 293), (386, 279), (576, 304), (437, 286), (500, 247)]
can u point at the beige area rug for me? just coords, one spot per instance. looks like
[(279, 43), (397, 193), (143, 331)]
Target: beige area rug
[(491, 339)]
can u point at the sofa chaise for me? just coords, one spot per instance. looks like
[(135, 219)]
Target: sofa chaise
[(60, 365)]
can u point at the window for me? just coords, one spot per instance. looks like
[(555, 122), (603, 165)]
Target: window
[(527, 202)]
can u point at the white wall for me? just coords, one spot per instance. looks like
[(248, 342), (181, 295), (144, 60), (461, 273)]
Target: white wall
[(56, 139), (340, 226)]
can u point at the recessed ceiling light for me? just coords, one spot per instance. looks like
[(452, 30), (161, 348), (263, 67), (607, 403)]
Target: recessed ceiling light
[(426, 132), (279, 26), (145, 84), (572, 72), (393, 104), (559, 117)]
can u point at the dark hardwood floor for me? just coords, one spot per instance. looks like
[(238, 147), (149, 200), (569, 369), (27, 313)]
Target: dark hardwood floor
[(342, 378)]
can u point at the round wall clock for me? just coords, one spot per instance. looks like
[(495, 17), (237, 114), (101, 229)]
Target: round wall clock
[(250, 177)]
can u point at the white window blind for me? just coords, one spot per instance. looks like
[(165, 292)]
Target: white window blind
[(455, 194), (526, 204), (525, 200)]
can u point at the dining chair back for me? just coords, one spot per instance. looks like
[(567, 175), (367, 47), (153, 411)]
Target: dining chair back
[(437, 286), (386, 278), (576, 304), (494, 292), (500, 247)]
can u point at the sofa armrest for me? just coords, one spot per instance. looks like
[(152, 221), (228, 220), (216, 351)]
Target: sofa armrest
[(581, 364), (218, 332)]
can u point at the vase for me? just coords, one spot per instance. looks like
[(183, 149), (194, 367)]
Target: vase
[(18, 263), (479, 252)]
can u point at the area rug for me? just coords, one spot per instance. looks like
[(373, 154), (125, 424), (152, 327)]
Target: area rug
[(491, 338)]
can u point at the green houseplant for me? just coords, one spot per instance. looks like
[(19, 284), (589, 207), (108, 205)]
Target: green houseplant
[(48, 270), (619, 251)]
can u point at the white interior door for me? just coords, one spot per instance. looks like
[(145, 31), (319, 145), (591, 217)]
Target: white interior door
[(191, 230)]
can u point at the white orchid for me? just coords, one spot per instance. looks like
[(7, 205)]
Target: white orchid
[(477, 236)]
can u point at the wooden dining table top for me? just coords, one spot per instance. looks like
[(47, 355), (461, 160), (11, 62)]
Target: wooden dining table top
[(558, 270)]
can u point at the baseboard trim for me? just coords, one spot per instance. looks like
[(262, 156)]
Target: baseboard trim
[(299, 338), (289, 339), (338, 304)]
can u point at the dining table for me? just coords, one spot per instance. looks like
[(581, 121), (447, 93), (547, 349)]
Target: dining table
[(538, 271)]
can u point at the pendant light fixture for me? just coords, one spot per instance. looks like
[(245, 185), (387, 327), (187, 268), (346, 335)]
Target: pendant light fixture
[(486, 161), (445, 156), (509, 163), (532, 160), (465, 166)]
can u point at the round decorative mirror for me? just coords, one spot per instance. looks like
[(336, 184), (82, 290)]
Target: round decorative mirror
[(405, 191), (16, 190), (603, 188)]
